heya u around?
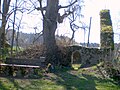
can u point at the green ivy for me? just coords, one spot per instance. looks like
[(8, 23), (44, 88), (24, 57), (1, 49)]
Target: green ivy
[(107, 29), (107, 35), (106, 22)]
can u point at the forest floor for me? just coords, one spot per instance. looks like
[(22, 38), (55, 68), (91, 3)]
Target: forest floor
[(61, 79)]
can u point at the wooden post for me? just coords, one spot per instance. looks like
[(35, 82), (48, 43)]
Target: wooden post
[(89, 32)]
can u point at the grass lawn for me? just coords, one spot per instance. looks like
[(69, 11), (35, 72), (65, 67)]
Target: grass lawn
[(62, 79)]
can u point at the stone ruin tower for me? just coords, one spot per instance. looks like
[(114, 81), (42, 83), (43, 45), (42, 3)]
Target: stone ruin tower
[(106, 32)]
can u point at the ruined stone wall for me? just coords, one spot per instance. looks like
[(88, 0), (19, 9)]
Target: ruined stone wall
[(107, 35), (88, 56), (92, 56)]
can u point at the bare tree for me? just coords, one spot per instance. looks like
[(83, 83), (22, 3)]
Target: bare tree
[(15, 6), (50, 10), (51, 16), (9, 12)]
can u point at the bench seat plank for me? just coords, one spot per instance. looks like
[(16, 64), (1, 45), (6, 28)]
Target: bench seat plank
[(33, 62), (15, 65)]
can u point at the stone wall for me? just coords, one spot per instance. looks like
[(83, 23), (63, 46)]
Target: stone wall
[(91, 56), (87, 56)]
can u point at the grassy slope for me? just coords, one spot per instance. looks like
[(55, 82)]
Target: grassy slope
[(83, 79)]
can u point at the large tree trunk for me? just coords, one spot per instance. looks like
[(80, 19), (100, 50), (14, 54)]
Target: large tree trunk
[(49, 28)]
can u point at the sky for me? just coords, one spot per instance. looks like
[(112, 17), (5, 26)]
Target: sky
[(91, 9)]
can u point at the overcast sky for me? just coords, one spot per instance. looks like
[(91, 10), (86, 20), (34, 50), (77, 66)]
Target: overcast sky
[(91, 9)]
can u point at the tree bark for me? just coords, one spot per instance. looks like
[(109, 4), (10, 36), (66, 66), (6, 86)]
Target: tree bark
[(2, 34), (5, 8), (49, 28)]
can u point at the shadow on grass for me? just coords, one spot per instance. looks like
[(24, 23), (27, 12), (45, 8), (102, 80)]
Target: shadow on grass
[(67, 79), (2, 87), (9, 84), (13, 83), (79, 81), (74, 82), (16, 85)]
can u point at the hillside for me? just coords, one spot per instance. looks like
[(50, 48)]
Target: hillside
[(26, 39)]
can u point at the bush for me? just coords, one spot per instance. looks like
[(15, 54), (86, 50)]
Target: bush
[(112, 66)]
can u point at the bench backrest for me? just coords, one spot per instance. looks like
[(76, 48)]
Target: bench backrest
[(35, 62)]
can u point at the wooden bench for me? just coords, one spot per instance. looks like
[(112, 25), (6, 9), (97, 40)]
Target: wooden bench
[(15, 64), (27, 62)]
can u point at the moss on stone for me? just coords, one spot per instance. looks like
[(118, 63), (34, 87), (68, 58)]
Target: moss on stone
[(105, 18), (107, 29), (107, 35), (105, 22)]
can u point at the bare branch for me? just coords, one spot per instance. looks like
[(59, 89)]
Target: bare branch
[(61, 18), (45, 18), (40, 34), (39, 8), (73, 31), (40, 1), (12, 11), (67, 5), (75, 14)]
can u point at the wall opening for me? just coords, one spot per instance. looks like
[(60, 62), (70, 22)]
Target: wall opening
[(76, 59)]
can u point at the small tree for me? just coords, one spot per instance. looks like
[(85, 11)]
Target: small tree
[(4, 12), (9, 14)]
